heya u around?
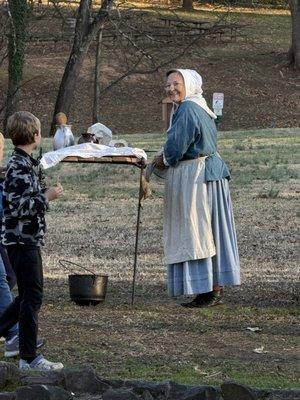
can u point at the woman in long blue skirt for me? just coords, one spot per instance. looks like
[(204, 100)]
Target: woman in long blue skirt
[(200, 243)]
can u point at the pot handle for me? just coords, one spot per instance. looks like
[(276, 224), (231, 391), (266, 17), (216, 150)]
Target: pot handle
[(63, 262)]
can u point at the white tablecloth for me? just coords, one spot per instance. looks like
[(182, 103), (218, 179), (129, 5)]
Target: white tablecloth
[(88, 150)]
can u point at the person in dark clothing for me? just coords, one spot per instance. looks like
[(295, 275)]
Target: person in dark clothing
[(23, 229), (8, 280)]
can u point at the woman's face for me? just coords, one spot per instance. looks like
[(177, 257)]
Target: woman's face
[(175, 88)]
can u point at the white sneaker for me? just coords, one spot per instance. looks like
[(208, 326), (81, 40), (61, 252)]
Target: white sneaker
[(39, 364), (11, 348)]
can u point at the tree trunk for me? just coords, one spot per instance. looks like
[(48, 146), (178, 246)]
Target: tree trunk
[(68, 83), (187, 5), (96, 98), (85, 32), (16, 52), (294, 52)]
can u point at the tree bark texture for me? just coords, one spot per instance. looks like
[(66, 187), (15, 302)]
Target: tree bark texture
[(294, 52), (16, 53), (96, 97), (187, 5), (85, 32)]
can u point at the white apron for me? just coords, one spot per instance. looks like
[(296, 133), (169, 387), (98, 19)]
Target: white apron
[(187, 229)]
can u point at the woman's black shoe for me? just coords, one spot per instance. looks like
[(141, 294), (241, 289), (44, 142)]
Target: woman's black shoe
[(209, 299), (198, 301), (191, 304), (215, 300)]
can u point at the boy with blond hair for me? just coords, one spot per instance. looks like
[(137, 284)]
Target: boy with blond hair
[(23, 229), (8, 280)]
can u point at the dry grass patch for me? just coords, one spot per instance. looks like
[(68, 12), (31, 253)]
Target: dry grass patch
[(94, 225)]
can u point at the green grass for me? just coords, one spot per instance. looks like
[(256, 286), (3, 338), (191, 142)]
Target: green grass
[(213, 372), (157, 340), (264, 155), (251, 374), (265, 28)]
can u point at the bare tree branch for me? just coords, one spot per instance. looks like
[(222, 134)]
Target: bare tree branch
[(4, 57), (133, 43), (123, 76), (57, 9), (19, 87), (134, 71)]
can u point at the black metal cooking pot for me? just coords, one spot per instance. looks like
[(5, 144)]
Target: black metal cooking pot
[(86, 289)]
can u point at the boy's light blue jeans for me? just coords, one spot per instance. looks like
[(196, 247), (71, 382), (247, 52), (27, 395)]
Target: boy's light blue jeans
[(5, 299)]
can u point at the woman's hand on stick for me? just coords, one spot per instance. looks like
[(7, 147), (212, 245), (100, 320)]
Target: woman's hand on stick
[(159, 161)]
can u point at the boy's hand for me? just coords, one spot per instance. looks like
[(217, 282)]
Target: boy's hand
[(54, 192)]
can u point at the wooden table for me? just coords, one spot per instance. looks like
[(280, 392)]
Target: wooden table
[(233, 29), (183, 22), (205, 27), (121, 160), (127, 160)]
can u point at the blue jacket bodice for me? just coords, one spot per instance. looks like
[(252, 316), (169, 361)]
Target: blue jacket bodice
[(193, 134)]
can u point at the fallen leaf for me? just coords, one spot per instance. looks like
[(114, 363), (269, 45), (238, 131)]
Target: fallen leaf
[(260, 350), (254, 329), (214, 374), (199, 371), (207, 374)]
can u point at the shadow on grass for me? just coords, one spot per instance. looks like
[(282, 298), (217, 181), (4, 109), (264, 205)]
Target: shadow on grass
[(277, 296), (156, 339)]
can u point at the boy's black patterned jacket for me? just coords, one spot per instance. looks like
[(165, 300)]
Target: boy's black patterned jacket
[(24, 202)]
